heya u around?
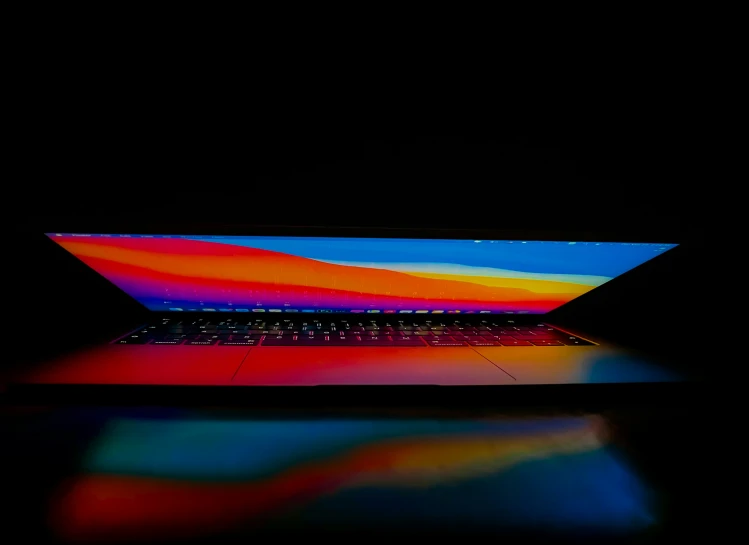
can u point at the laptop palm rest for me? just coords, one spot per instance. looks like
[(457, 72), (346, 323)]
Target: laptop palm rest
[(313, 366), (576, 365)]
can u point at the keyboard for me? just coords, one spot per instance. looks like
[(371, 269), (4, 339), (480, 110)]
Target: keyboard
[(204, 332)]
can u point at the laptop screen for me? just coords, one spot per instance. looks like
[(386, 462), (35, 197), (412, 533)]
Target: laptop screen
[(353, 275)]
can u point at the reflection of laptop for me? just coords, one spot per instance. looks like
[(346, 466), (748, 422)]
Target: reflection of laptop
[(287, 475), (278, 310)]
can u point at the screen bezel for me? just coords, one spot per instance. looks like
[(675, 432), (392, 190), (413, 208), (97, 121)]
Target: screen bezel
[(666, 236)]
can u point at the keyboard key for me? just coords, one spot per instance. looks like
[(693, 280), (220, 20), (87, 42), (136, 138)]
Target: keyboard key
[(423, 333), (484, 343), (176, 341), (376, 341), (515, 343), (343, 341), (247, 342), (202, 343), (303, 339), (407, 341), (547, 343), (246, 337), (439, 342), (133, 339), (575, 342), (540, 337)]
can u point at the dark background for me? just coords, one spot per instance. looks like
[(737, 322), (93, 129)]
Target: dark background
[(115, 138)]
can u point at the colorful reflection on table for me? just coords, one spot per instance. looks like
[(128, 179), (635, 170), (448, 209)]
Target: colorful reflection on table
[(188, 476)]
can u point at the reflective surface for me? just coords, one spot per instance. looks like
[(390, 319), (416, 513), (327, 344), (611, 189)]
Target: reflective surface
[(162, 474)]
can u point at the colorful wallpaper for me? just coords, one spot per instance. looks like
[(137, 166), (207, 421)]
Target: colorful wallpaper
[(305, 274)]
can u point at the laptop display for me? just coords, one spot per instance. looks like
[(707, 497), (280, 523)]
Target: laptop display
[(252, 274)]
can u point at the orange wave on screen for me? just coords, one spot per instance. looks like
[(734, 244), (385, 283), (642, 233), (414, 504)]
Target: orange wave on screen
[(530, 284), (250, 265), (182, 286)]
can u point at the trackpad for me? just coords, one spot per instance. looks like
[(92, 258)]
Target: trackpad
[(313, 366)]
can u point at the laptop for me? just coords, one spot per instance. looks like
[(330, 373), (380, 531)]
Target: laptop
[(272, 310)]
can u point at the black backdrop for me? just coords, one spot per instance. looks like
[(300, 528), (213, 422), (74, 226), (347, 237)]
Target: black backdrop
[(95, 145)]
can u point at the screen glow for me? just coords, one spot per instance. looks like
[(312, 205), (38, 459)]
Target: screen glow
[(371, 275)]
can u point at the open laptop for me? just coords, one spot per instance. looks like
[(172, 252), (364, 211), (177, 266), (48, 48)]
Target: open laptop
[(339, 310)]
